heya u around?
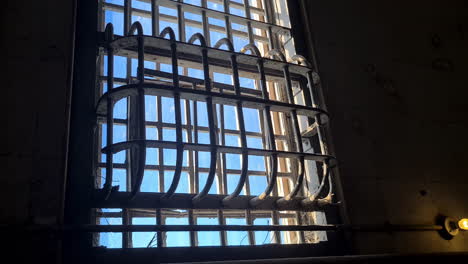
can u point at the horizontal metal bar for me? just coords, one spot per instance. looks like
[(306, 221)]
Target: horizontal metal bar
[(218, 58), (197, 81), (138, 212), (252, 173), (176, 228), (117, 147), (211, 201), (201, 95)]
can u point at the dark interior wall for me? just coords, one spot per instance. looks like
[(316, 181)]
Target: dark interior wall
[(37, 40), (394, 75)]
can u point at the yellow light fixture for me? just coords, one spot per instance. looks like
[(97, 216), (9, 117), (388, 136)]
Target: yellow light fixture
[(463, 224)]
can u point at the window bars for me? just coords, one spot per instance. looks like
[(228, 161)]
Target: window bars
[(286, 128)]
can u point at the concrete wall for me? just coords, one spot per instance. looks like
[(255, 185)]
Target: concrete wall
[(394, 77)]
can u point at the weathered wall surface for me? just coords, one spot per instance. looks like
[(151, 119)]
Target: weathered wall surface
[(395, 82)]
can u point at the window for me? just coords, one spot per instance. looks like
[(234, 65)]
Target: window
[(208, 128)]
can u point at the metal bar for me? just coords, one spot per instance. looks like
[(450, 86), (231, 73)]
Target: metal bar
[(160, 150), (248, 217), (154, 18), (159, 221), (296, 130), (157, 46), (177, 112), (192, 233), (213, 213), (222, 221), (110, 105), (141, 129), (200, 95), (207, 147), (181, 22), (268, 127), (211, 201), (240, 121), (198, 81), (275, 221), (191, 165), (195, 124), (211, 122)]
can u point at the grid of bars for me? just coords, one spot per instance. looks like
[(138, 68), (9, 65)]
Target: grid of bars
[(273, 98)]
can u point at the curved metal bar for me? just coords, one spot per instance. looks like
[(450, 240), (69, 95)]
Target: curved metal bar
[(240, 119), (211, 120), (314, 197), (318, 119), (198, 36), (276, 54), (177, 110), (297, 133), (224, 41), (141, 132), (298, 138), (109, 35), (301, 60), (269, 127)]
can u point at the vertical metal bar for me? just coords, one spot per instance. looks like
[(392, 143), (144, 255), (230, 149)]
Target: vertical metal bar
[(302, 239), (276, 233), (190, 153), (249, 24), (195, 129), (205, 24), (222, 221), (160, 150), (192, 233), (227, 20), (181, 22), (110, 112), (160, 235), (154, 18), (248, 217), (127, 16)]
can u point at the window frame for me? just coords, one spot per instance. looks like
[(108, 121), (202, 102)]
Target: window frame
[(83, 143)]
